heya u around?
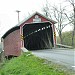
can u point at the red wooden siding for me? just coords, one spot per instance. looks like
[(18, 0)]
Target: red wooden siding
[(30, 20), (12, 44)]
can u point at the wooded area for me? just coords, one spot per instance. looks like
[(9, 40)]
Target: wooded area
[(63, 17), (67, 38)]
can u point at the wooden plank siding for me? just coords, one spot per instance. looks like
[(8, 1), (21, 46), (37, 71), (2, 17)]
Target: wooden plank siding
[(12, 44)]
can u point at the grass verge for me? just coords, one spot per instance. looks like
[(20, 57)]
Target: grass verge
[(28, 64)]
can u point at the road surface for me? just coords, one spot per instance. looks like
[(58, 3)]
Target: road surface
[(60, 55)]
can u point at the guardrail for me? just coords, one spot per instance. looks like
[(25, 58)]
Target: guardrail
[(63, 46)]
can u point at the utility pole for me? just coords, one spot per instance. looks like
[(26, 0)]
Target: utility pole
[(18, 14)]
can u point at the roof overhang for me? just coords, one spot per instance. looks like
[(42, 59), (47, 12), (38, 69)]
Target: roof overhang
[(10, 30)]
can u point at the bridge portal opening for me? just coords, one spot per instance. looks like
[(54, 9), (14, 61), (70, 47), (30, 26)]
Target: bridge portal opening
[(38, 36)]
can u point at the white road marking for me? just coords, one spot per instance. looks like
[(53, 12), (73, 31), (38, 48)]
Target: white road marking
[(73, 66)]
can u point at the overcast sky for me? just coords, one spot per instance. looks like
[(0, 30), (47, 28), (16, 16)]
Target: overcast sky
[(8, 14)]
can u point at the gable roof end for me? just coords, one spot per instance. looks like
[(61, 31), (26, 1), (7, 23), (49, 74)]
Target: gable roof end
[(33, 15)]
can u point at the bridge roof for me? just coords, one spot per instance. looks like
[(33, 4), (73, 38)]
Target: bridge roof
[(10, 30), (26, 20)]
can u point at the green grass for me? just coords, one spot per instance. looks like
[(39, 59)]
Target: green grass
[(28, 64)]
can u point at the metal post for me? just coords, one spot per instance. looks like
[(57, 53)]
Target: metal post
[(18, 14)]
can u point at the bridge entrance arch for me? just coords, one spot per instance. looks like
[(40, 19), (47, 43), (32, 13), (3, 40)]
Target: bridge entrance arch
[(38, 36)]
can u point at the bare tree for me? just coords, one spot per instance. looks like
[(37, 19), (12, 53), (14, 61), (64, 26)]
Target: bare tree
[(73, 19), (59, 15)]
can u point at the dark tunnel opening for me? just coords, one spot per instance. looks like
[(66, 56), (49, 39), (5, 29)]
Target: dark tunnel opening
[(38, 36)]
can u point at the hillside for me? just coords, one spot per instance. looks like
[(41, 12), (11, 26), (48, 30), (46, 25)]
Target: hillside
[(28, 64)]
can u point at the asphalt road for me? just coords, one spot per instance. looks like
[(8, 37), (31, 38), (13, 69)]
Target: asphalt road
[(62, 56)]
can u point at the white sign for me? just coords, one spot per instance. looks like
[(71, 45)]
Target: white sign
[(37, 19)]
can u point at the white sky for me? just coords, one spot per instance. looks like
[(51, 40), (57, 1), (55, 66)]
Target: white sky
[(8, 14)]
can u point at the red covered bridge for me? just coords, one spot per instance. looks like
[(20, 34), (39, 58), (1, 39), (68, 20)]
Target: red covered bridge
[(34, 33)]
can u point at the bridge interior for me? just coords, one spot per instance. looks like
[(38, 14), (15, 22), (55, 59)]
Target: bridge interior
[(38, 36)]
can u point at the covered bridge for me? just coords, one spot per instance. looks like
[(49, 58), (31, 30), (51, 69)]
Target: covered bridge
[(34, 33)]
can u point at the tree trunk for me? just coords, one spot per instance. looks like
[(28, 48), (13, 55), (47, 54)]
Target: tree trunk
[(60, 35), (73, 34), (73, 38)]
